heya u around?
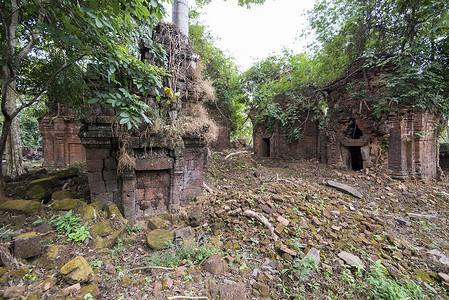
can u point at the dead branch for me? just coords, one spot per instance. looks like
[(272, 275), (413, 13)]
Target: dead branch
[(262, 219), (208, 188), (235, 153)]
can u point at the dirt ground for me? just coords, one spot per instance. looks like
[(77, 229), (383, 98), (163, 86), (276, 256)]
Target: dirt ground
[(278, 230)]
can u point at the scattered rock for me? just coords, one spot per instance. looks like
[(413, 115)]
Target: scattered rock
[(27, 245), (61, 195), (184, 236), (313, 255), (351, 259), (157, 223), (215, 264), (230, 291), (77, 270), (22, 206), (67, 204), (345, 188), (443, 277), (422, 275), (14, 292), (158, 238), (440, 257), (404, 222), (102, 228)]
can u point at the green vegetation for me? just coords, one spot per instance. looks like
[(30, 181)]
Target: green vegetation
[(70, 225), (173, 255)]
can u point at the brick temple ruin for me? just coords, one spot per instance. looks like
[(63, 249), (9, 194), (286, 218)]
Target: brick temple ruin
[(61, 144), (354, 138), (147, 172)]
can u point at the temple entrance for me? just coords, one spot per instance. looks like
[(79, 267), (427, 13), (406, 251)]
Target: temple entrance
[(265, 147), (355, 154)]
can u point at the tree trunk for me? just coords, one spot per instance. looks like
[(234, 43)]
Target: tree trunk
[(13, 147), (2, 187)]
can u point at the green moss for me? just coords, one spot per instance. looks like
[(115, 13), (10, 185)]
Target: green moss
[(157, 239), (102, 228), (24, 206), (67, 204), (60, 195)]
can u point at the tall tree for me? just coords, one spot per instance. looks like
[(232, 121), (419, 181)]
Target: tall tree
[(103, 33)]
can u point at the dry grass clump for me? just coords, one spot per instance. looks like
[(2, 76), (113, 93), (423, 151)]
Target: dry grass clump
[(194, 121), (126, 161), (203, 89)]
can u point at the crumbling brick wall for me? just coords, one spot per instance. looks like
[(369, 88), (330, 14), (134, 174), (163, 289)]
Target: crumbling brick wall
[(145, 172), (354, 136), (223, 140), (61, 144)]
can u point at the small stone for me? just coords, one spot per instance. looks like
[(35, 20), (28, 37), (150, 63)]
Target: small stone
[(77, 270), (266, 209), (14, 292), (422, 275), (27, 245), (263, 288), (102, 228), (67, 204), (158, 239), (351, 259), (287, 250), (215, 264), (184, 236), (444, 277), (45, 285), (157, 223), (403, 222), (71, 289), (313, 255)]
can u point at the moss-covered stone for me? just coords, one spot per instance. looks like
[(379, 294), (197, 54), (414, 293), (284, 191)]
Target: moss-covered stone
[(60, 195), (19, 191), (36, 193), (46, 183), (27, 245), (87, 212), (97, 205), (67, 173), (77, 270), (102, 228), (157, 239), (22, 206), (56, 257), (422, 275), (68, 204), (112, 209), (157, 223)]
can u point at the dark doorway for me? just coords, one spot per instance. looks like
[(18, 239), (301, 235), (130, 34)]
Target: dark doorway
[(265, 147), (355, 133), (356, 158)]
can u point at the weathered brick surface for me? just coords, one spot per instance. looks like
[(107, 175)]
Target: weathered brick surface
[(61, 143), (223, 140)]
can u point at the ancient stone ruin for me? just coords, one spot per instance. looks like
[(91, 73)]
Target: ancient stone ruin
[(61, 144), (355, 137), (274, 140), (158, 168), (222, 120)]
